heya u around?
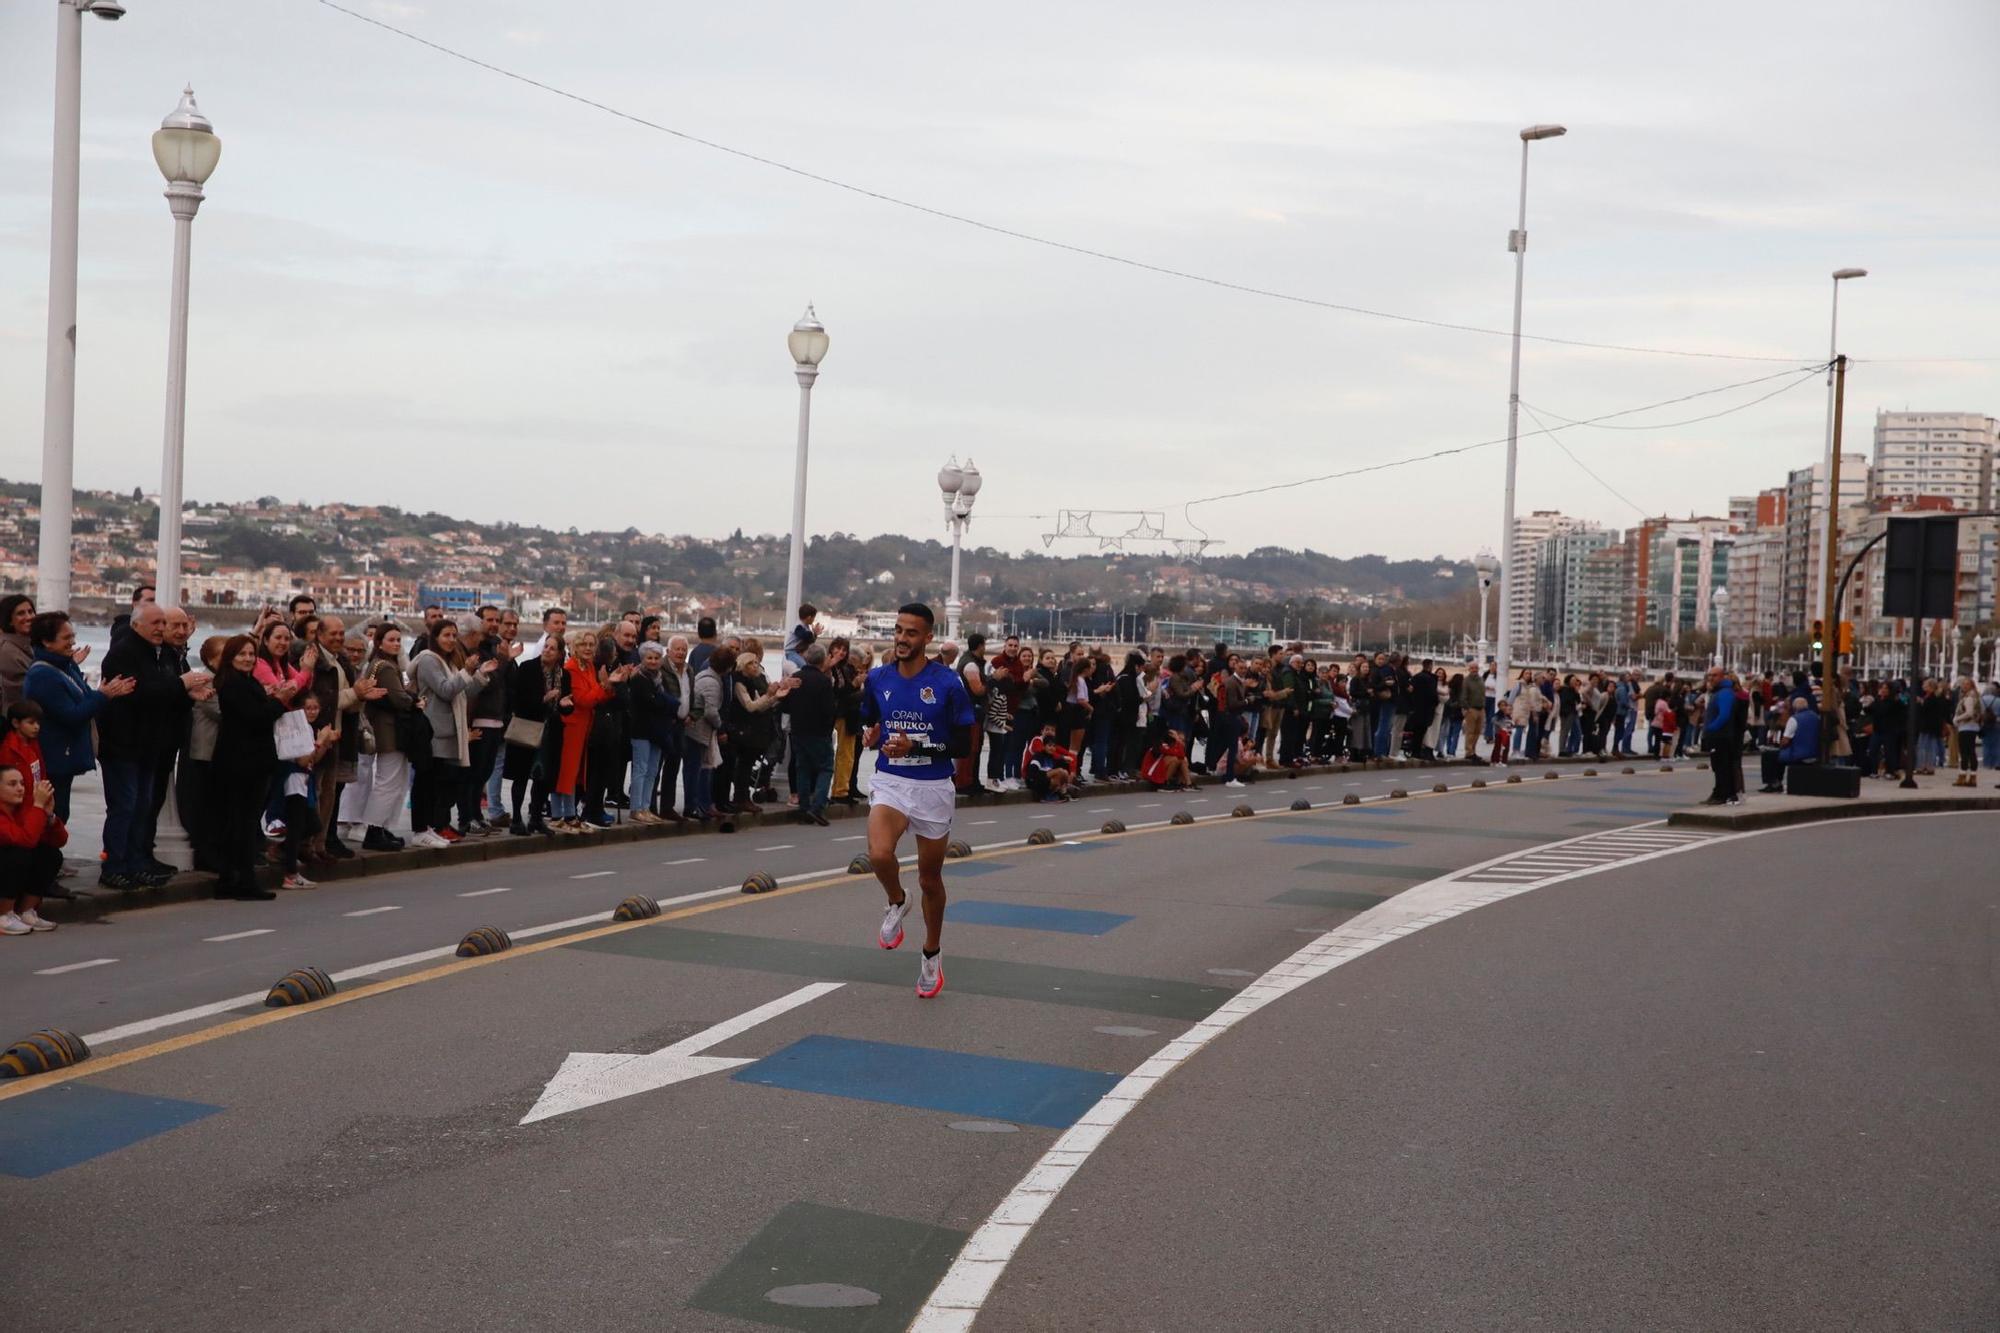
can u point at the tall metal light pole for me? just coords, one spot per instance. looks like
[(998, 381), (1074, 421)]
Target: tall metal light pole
[(958, 485), (1486, 566), (1719, 600), (59, 386), (187, 150), (807, 342), (1826, 547), (1517, 243)]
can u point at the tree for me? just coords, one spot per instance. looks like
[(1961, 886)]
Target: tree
[(1648, 639)]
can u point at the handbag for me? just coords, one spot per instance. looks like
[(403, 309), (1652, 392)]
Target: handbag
[(525, 732), (293, 735)]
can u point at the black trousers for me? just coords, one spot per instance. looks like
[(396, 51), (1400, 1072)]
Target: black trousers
[(239, 826), (1726, 759), (27, 872)]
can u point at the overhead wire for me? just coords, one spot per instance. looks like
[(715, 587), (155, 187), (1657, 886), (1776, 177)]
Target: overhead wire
[(1015, 233), (1588, 471)]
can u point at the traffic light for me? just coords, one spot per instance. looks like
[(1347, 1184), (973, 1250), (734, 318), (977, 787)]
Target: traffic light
[(1819, 636), (1845, 643)]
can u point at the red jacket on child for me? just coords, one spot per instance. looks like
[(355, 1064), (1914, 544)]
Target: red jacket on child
[(17, 751)]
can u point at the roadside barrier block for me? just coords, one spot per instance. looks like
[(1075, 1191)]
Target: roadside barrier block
[(957, 850), (1241, 812), (1440, 786), (1302, 804), (1181, 818), (1550, 776), (1479, 782), (40, 1052), (1666, 768), (1041, 837), (1590, 772), (1397, 794), (1628, 772), (761, 882), (1513, 777), (1350, 799), (636, 908), (860, 865), (301, 985), (1112, 826), (484, 940)]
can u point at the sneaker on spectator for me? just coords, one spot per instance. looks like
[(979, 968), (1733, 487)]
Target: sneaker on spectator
[(427, 839), (297, 881), (12, 924), (447, 835), (33, 920)]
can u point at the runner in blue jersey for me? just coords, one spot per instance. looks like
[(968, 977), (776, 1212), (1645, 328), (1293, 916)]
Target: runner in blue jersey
[(920, 718)]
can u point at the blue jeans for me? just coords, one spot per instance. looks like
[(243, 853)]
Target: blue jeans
[(700, 781), (1626, 721), (1385, 726), (562, 805), (1989, 745), (1448, 738), (815, 757), (128, 815), (494, 802), (1100, 741), (645, 771)]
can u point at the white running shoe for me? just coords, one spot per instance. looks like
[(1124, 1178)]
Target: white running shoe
[(33, 920), (930, 977), (12, 924), (428, 838), (891, 933), (1234, 783), (297, 881)]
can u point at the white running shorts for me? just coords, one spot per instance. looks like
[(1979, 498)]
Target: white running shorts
[(928, 803)]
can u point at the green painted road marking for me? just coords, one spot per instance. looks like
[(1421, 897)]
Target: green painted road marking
[(1339, 900), (1154, 996), (1377, 870), (814, 1268)]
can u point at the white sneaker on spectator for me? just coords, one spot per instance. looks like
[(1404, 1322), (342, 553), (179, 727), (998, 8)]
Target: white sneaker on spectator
[(12, 924), (33, 920), (1234, 783), (297, 881), (427, 838)]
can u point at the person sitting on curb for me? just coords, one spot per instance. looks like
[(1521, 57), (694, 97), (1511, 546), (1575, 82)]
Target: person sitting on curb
[(1800, 742), (31, 839)]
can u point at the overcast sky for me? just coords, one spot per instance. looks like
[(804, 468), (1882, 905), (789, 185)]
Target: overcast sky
[(418, 283)]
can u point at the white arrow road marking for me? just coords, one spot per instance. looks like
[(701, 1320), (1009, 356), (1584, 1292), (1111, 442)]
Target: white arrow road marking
[(587, 1078)]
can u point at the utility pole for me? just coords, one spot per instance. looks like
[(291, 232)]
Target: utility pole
[(1830, 654)]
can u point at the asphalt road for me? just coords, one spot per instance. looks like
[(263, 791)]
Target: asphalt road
[(1495, 1120)]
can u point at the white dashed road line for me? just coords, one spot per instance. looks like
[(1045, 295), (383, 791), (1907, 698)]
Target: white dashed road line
[(481, 893), (239, 935), (852, 837), (594, 874), (776, 847), (73, 967), (372, 911), (689, 860)]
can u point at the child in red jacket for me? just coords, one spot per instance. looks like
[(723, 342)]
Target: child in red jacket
[(31, 838), (22, 745)]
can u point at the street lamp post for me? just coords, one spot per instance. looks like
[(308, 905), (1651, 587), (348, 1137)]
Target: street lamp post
[(1486, 566), (1719, 599), (959, 485), (187, 150), (1517, 243), (1840, 275), (59, 384), (807, 343)]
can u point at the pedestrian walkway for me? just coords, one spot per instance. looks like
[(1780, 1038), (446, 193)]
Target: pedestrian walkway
[(1933, 794)]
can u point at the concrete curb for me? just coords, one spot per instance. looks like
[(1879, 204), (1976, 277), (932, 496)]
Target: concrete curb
[(1744, 821), (95, 904)]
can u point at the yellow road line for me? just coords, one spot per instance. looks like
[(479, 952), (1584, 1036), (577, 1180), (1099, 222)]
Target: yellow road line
[(99, 1064)]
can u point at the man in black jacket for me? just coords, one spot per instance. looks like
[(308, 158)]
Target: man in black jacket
[(134, 730), (811, 706)]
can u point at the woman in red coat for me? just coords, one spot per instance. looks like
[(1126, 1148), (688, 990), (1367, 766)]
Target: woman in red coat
[(588, 687), (31, 838)]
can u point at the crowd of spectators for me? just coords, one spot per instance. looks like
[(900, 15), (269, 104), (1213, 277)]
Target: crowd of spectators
[(297, 743)]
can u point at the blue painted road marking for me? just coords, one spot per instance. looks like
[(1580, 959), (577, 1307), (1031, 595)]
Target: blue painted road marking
[(984, 1086), (1068, 921), (45, 1132), (1329, 840)]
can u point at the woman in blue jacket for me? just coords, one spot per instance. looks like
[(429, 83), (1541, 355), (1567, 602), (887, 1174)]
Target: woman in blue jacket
[(56, 682)]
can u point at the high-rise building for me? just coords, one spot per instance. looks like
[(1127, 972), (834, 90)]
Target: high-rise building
[(1756, 585), (1559, 583), (1944, 454), (1686, 561), (1805, 531), (1523, 568)]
